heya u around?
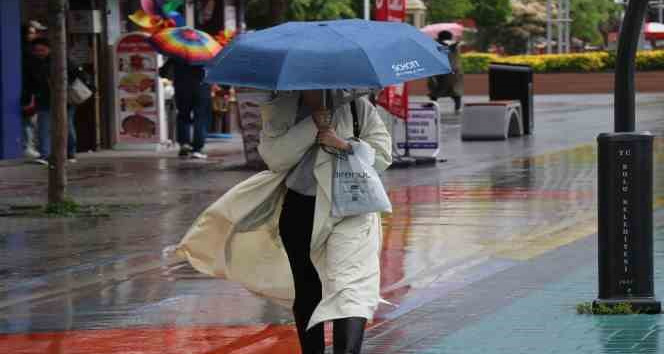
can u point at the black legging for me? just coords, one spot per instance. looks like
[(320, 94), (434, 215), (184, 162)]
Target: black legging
[(295, 226)]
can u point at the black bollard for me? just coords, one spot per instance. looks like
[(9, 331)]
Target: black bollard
[(625, 174)]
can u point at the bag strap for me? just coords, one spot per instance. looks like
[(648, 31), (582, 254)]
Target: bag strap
[(356, 121)]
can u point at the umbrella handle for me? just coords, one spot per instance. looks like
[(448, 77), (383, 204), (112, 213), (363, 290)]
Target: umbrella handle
[(328, 118), (328, 121)]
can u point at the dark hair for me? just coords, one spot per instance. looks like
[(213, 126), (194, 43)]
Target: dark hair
[(41, 41), (445, 36)]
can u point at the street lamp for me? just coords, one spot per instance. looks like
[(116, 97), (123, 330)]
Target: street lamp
[(625, 188), (630, 33)]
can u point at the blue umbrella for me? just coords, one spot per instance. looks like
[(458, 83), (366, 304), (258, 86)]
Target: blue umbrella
[(342, 54)]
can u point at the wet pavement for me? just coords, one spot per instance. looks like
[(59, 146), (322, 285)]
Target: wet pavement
[(488, 252)]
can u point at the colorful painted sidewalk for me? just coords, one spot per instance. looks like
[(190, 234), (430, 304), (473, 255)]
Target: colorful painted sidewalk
[(487, 253)]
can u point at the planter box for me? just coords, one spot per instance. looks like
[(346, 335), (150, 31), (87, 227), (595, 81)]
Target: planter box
[(563, 83)]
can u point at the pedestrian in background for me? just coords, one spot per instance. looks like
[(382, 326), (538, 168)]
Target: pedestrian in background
[(193, 101), (448, 85), (29, 32), (37, 92)]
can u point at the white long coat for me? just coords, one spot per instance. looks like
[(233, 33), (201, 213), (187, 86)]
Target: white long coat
[(237, 236)]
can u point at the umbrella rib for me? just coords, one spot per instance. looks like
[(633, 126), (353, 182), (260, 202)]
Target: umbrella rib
[(281, 70), (361, 50)]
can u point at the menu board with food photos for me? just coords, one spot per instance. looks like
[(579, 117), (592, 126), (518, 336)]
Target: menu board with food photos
[(138, 91)]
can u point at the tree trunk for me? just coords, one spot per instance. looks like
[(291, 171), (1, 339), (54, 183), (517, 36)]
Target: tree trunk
[(57, 177), (277, 12)]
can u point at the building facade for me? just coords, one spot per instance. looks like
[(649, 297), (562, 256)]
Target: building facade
[(10, 79), (94, 26)]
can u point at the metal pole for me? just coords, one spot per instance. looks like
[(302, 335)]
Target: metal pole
[(568, 26), (549, 25), (569, 22), (563, 24), (625, 62), (661, 11), (560, 26), (625, 189), (367, 10)]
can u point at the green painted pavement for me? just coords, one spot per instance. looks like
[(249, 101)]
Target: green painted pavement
[(546, 322)]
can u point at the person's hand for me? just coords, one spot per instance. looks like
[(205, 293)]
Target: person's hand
[(321, 118), (329, 138)]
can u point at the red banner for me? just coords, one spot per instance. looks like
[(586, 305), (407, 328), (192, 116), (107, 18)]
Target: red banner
[(381, 12), (390, 10), (393, 98)]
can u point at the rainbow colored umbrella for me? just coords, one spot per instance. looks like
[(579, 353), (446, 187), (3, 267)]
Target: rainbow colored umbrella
[(192, 46)]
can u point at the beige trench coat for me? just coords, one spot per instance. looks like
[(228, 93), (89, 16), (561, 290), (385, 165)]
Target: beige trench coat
[(237, 236)]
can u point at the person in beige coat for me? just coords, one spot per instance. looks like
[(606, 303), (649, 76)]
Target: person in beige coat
[(274, 232)]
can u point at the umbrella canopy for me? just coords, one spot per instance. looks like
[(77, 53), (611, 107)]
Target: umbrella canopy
[(654, 30), (433, 30), (186, 44), (147, 22), (329, 55)]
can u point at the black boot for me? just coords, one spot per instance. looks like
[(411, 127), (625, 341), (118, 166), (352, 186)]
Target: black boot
[(457, 104), (313, 340), (347, 335)]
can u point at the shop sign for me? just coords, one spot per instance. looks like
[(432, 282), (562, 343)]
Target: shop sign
[(139, 104), (423, 130)]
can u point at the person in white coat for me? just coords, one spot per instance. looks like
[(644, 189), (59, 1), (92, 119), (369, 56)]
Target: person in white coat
[(280, 220)]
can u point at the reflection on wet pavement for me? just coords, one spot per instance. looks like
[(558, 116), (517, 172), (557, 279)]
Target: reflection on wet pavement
[(263, 339), (96, 285), (438, 238), (482, 222)]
